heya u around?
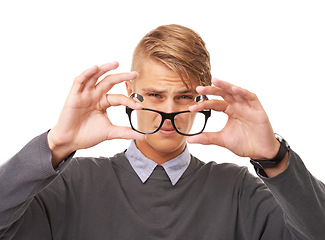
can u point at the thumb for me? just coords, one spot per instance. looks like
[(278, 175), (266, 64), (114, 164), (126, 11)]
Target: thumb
[(207, 138), (119, 132)]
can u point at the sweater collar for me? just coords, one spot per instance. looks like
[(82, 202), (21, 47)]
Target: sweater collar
[(144, 166)]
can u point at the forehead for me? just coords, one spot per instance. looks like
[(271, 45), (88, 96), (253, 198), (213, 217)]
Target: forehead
[(154, 74)]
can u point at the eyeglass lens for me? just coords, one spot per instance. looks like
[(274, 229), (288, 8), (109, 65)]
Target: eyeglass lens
[(148, 121)]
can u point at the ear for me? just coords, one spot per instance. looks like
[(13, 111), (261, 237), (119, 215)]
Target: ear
[(128, 85)]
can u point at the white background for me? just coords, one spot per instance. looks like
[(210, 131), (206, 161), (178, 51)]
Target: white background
[(273, 48)]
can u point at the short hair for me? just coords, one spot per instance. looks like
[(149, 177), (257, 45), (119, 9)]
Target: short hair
[(180, 49)]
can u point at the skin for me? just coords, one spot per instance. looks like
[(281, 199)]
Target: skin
[(162, 90), (84, 122), (248, 132)]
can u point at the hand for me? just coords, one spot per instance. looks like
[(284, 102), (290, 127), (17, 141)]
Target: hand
[(83, 121), (248, 132)]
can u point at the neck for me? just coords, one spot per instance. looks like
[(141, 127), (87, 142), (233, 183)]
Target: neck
[(160, 157)]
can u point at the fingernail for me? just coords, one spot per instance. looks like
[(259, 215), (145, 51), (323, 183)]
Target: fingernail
[(139, 105), (93, 68), (135, 73), (189, 140), (191, 107), (199, 88)]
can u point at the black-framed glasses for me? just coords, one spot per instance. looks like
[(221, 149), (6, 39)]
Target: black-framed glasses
[(149, 121)]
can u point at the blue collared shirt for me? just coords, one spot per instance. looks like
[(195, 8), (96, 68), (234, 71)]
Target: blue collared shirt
[(144, 166)]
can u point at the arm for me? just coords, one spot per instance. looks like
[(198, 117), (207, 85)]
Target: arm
[(83, 123), (301, 197), (33, 193), (248, 133), (21, 178)]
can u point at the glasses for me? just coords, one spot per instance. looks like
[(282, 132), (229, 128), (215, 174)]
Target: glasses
[(149, 121)]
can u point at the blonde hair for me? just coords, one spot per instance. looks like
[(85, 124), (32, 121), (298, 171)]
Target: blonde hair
[(180, 49)]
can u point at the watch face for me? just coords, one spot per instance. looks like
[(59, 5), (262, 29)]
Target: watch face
[(279, 137)]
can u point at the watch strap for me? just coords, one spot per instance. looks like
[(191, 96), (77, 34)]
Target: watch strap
[(269, 163)]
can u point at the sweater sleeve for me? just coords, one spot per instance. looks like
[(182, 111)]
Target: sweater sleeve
[(290, 206), (302, 199), (21, 178)]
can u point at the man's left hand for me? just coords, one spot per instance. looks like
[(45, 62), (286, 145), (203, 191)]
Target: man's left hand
[(248, 132)]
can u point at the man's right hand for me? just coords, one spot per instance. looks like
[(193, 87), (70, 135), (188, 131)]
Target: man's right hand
[(83, 122)]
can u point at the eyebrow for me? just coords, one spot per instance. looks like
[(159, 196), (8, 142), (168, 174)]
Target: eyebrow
[(164, 91)]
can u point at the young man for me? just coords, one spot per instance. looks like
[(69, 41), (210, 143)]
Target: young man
[(156, 189)]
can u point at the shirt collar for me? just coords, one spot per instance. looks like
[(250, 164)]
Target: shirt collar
[(144, 166)]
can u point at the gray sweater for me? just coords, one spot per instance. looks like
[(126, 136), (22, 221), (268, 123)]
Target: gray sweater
[(103, 198)]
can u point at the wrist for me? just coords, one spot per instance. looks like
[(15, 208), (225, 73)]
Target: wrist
[(280, 155), (59, 149), (272, 153), (279, 168)]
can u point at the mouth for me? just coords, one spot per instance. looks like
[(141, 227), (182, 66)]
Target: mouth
[(167, 131)]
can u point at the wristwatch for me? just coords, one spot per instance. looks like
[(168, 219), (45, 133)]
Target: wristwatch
[(269, 163)]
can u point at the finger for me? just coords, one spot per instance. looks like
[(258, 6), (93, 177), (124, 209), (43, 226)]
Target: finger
[(210, 90), (216, 91), (244, 93), (117, 132), (207, 138), (239, 94), (117, 100), (106, 67), (247, 97), (109, 81), (230, 89), (226, 86), (80, 81), (101, 71), (89, 77), (214, 104), (234, 90)]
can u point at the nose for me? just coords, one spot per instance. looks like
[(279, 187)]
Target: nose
[(169, 106)]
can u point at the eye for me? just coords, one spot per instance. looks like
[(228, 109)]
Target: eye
[(154, 95), (187, 97)]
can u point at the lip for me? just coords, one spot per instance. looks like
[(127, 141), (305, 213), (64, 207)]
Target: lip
[(167, 132)]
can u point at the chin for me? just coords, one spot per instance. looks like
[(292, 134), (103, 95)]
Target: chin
[(166, 144)]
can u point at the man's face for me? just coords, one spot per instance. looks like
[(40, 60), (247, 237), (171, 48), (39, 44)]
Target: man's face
[(164, 91)]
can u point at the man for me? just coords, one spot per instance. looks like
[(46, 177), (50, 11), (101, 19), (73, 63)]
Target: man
[(156, 189)]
